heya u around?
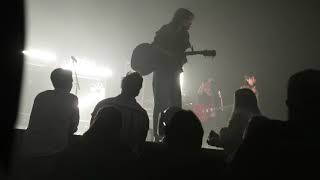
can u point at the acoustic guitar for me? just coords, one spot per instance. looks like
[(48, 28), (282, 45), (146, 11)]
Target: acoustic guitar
[(146, 58)]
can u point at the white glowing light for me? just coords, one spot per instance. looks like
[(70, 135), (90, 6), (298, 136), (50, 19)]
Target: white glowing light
[(87, 101), (41, 55), (181, 78), (88, 68), (96, 93)]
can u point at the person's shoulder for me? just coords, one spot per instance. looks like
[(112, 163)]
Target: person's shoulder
[(264, 125), (140, 108), (260, 120), (144, 112), (66, 96), (105, 102), (240, 117), (72, 96), (165, 29), (44, 94)]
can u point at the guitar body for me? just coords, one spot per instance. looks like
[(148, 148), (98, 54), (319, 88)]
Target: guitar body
[(144, 59)]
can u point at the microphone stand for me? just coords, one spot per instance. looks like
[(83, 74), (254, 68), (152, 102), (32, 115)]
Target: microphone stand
[(221, 101), (74, 60)]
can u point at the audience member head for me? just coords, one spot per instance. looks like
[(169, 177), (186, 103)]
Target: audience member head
[(107, 125), (303, 95), (183, 18), (184, 132), (131, 84), (61, 79), (246, 101)]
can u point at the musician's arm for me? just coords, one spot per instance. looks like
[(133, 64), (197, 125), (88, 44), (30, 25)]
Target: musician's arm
[(162, 50), (161, 40)]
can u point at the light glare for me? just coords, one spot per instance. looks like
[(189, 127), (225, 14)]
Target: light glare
[(88, 68), (40, 55)]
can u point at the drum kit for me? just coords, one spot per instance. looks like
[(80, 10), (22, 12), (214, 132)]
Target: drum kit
[(205, 112)]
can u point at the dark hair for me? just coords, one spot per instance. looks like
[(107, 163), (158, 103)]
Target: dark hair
[(245, 99), (184, 131), (61, 78), (249, 75), (180, 15), (304, 90), (132, 83)]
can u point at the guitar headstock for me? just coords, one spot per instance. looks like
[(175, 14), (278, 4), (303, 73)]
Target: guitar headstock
[(210, 53)]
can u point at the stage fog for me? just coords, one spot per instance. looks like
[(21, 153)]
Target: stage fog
[(269, 40)]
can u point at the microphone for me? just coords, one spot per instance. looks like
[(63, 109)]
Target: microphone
[(74, 59)]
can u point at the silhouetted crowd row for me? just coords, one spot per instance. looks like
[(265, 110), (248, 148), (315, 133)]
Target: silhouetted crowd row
[(114, 146)]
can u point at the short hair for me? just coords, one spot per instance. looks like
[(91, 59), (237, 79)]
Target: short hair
[(246, 76), (245, 99), (181, 14), (132, 82), (304, 90), (61, 78)]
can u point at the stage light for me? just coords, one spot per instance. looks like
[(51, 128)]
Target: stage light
[(88, 68), (86, 101), (181, 78), (40, 55), (92, 98)]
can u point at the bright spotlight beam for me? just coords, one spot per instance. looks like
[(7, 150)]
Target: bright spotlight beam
[(41, 55), (88, 68)]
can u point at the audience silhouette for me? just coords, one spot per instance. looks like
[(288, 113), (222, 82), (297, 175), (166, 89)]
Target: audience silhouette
[(184, 132), (54, 118), (183, 137), (245, 107), (268, 148), (135, 120), (285, 149), (100, 154)]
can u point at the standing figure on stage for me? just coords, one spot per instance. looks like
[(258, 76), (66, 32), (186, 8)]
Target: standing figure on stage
[(172, 40), (209, 100), (209, 106), (250, 83)]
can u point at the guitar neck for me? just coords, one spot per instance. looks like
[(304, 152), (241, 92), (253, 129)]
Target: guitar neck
[(190, 53)]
